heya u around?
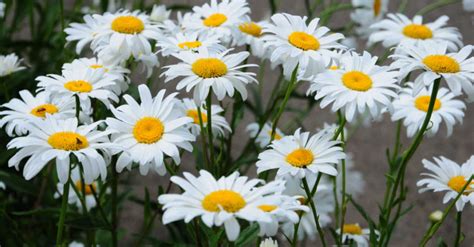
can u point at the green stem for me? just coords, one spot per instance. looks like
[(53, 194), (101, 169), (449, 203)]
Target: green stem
[(209, 129), (457, 241), (203, 139), (114, 206), (273, 6), (64, 204), (436, 5), (78, 107), (315, 215), (343, 197)]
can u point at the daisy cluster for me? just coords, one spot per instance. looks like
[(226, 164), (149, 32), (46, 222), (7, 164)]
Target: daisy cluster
[(90, 119)]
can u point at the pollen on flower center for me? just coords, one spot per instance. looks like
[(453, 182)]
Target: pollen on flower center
[(148, 130), (40, 111), (87, 189), (128, 25), (377, 7), (357, 81), (215, 20), (78, 86), (190, 44), (277, 136), (354, 229), (267, 207), (300, 158), (193, 113), (304, 41), (457, 183), (209, 68), (251, 28), (68, 141), (442, 64), (417, 31), (422, 103), (226, 200)]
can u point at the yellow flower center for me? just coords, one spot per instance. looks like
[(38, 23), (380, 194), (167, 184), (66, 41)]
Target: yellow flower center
[(68, 141), (267, 208), (148, 130), (128, 25), (190, 44), (354, 229), (78, 86), (303, 41), (457, 183), (226, 200), (195, 116), (214, 20), (87, 189), (300, 158), (209, 68), (442, 64), (251, 28), (377, 7), (422, 103), (357, 81), (40, 111), (277, 136), (416, 31), (334, 67), (98, 66)]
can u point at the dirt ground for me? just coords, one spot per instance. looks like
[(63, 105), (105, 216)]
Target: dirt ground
[(367, 145)]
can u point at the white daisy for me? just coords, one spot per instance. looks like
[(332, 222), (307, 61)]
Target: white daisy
[(353, 232), (185, 41), (398, 29), (368, 12), (302, 155), (148, 131), (357, 87), (86, 83), (413, 109), (265, 135), (293, 43), (219, 124), (217, 18), (449, 177), (218, 202), (456, 68), (250, 33), (114, 72), (205, 69), (20, 111), (84, 33), (268, 242), (159, 13), (74, 197), (54, 139), (10, 64)]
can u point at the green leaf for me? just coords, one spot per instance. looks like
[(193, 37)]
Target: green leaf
[(248, 235), (18, 183)]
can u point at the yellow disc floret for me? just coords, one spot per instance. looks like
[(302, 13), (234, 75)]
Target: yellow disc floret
[(303, 41), (422, 103), (190, 44), (353, 229), (193, 113), (442, 64), (209, 68), (68, 141), (276, 137), (148, 130), (226, 200), (215, 20), (128, 25), (357, 81), (300, 158), (267, 207), (87, 189), (417, 31), (458, 182), (40, 111), (377, 7), (251, 28), (78, 86)]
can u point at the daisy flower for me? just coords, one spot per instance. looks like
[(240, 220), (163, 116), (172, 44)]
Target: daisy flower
[(368, 12), (10, 64), (302, 155), (265, 135), (412, 109), (159, 13), (359, 86), (353, 232), (185, 41), (399, 29), (293, 43), (85, 83), (456, 68), (250, 33), (114, 72), (218, 202), (84, 33), (219, 124), (73, 196), (149, 130), (20, 111), (449, 177), (217, 18), (55, 139), (205, 69)]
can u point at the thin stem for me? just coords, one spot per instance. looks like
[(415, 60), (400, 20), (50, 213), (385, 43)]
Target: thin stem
[(78, 107), (209, 129), (315, 214), (435, 5), (203, 139), (64, 204), (114, 206), (343, 197), (273, 6), (457, 241), (285, 101)]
